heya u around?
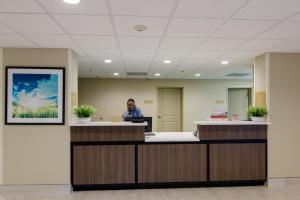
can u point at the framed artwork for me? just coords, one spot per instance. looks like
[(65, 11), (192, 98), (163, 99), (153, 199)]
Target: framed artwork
[(35, 95)]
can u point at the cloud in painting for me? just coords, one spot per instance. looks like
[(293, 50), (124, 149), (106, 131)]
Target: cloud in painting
[(35, 90)]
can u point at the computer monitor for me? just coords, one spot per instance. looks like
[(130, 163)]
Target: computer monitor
[(148, 128)]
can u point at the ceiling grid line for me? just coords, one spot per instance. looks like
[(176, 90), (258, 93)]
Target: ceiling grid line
[(163, 35), (256, 36), (116, 35), (224, 22), (69, 35)]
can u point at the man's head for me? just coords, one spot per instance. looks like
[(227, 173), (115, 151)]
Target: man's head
[(130, 104)]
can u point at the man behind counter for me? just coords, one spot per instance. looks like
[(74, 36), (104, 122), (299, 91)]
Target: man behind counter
[(132, 110)]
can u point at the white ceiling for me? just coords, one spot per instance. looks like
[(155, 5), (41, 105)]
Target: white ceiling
[(196, 35)]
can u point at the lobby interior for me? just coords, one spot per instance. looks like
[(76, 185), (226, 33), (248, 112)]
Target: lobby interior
[(212, 51)]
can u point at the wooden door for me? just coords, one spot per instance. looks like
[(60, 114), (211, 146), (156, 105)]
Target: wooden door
[(238, 101), (169, 110)]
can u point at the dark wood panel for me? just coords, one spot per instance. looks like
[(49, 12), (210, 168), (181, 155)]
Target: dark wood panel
[(172, 163), (107, 133), (228, 132), (107, 164), (229, 162)]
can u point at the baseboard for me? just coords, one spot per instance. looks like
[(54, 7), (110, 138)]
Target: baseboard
[(286, 181), (57, 188)]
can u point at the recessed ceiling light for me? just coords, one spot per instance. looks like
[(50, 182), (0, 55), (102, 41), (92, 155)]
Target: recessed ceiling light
[(107, 61), (140, 28), (116, 74), (157, 74), (167, 61), (224, 62), (72, 1), (197, 74)]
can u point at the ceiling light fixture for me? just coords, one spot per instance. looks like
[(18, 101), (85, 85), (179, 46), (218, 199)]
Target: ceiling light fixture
[(167, 61), (116, 74), (197, 74), (107, 61), (72, 1), (157, 74), (140, 28), (224, 62)]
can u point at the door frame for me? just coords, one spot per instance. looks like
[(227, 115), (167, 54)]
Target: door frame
[(238, 87), (181, 105)]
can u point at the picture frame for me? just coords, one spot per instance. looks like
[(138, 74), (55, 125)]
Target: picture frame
[(34, 95)]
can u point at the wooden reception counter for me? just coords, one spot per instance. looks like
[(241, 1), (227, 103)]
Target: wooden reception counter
[(106, 155)]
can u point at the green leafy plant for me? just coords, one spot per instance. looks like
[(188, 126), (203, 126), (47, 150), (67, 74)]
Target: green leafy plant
[(257, 111), (84, 111)]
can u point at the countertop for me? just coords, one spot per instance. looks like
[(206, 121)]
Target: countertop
[(172, 137), (108, 123), (211, 122)]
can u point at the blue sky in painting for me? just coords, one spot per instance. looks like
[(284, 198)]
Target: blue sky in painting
[(41, 86)]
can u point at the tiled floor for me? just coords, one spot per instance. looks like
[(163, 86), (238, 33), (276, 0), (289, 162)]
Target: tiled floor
[(228, 193)]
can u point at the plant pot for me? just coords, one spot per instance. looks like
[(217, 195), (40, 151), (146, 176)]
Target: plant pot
[(258, 119), (84, 120)]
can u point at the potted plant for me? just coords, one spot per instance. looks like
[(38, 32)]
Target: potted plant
[(257, 113), (84, 113)]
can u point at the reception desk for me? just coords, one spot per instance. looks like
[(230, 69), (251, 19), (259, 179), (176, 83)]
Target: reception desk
[(106, 155)]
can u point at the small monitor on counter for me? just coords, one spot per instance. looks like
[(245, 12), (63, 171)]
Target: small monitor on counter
[(148, 128)]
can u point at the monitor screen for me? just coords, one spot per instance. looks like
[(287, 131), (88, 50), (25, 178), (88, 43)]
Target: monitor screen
[(148, 128)]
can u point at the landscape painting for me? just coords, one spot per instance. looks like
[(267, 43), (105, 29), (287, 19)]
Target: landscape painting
[(34, 95)]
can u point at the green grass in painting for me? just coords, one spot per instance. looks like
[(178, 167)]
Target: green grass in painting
[(45, 111)]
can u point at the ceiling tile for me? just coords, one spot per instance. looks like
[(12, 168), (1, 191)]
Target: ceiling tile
[(284, 30), (178, 43), (190, 27), (138, 42), (86, 67), (268, 9), (90, 7), (110, 68), (295, 17), (243, 28), (207, 54), (104, 54), (199, 58), (55, 41), (52, 41), (138, 60), (262, 45), (220, 44), (25, 6), (96, 42), (31, 23), (155, 25), (208, 9), (292, 46), (236, 55), (85, 24), (4, 29), (141, 7), (175, 57), (14, 40)]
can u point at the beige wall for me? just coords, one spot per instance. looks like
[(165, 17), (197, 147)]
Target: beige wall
[(278, 75), (199, 96), (260, 73), (37, 154), (284, 106)]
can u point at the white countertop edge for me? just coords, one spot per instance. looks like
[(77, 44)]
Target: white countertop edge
[(107, 123), (231, 123), (172, 137)]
